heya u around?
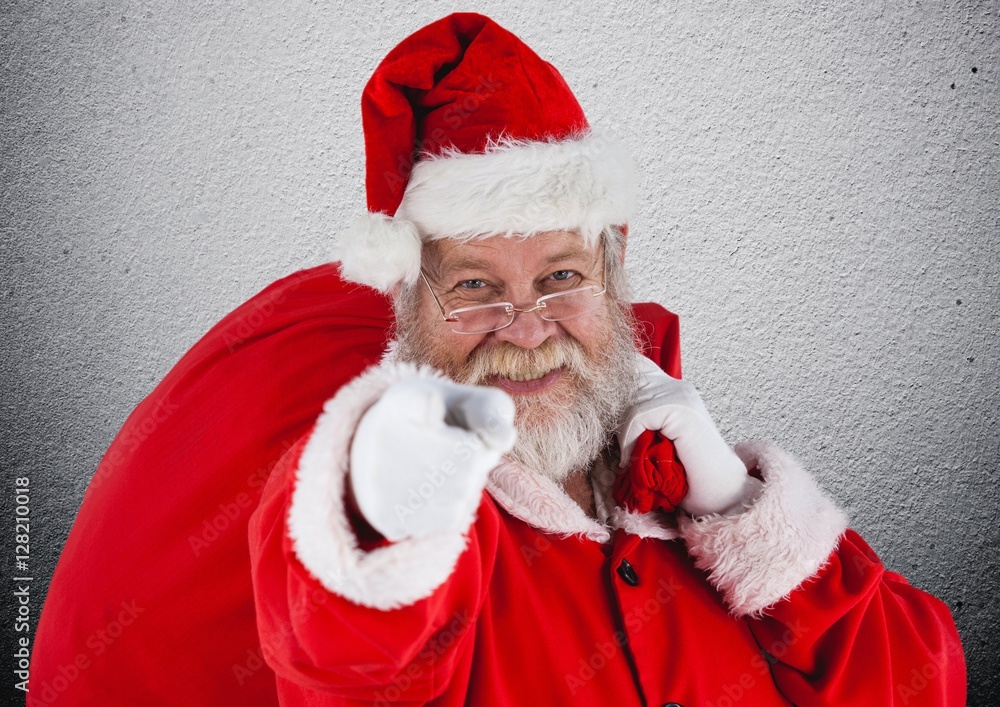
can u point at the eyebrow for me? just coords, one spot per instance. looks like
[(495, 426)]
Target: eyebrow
[(463, 264), (567, 255), (469, 263)]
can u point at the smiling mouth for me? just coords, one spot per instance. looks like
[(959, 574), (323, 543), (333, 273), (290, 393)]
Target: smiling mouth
[(521, 377), (528, 382)]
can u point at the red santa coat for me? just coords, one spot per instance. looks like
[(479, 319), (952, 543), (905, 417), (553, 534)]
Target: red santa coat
[(539, 604), (152, 601)]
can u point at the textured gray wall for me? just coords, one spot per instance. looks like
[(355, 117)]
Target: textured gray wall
[(820, 207)]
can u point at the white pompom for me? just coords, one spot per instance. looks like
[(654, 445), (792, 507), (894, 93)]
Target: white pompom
[(379, 251)]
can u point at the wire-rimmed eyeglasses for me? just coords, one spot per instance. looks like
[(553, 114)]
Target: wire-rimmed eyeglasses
[(557, 307)]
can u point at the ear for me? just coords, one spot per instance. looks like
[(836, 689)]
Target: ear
[(623, 228)]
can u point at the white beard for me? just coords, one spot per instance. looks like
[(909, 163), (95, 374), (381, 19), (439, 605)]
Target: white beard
[(565, 428)]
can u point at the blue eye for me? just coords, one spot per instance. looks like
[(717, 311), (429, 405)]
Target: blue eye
[(563, 274), (471, 284)]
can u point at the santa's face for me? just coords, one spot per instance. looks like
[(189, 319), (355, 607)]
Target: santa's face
[(569, 379)]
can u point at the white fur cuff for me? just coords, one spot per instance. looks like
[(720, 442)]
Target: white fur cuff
[(387, 577), (758, 557)]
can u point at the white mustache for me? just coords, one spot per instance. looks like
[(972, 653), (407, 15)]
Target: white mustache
[(507, 360)]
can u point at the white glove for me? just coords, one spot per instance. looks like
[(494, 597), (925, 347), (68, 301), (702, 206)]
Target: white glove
[(717, 480), (422, 452)]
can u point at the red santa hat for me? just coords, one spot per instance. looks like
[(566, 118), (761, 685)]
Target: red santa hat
[(470, 134)]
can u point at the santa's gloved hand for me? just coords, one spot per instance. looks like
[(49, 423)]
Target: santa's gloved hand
[(717, 479), (421, 455)]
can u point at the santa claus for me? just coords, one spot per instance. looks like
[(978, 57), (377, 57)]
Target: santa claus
[(519, 502)]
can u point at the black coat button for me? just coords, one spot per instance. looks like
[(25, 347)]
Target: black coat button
[(672, 704), (627, 572)]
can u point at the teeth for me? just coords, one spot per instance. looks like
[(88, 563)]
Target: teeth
[(521, 377)]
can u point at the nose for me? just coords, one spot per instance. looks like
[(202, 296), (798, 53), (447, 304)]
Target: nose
[(528, 330)]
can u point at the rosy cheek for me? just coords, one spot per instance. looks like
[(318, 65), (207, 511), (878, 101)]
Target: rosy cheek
[(462, 345), (590, 330)]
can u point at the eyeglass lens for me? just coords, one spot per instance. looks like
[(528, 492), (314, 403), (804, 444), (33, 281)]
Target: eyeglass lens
[(558, 307)]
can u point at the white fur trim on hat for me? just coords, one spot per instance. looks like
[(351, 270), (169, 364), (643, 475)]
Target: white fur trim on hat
[(521, 187), (384, 578), (516, 187), (758, 557)]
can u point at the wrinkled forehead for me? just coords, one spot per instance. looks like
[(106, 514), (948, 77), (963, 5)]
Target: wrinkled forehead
[(509, 254)]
